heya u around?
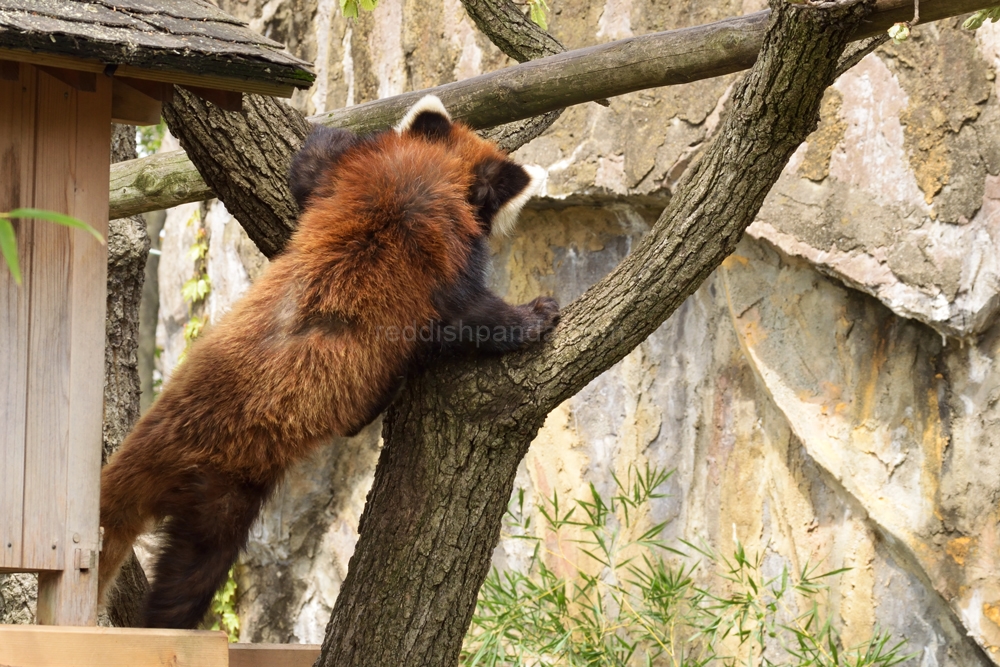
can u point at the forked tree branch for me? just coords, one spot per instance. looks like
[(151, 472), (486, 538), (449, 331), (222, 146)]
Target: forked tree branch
[(530, 89), (454, 441)]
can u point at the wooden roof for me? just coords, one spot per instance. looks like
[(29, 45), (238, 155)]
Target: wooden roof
[(179, 41)]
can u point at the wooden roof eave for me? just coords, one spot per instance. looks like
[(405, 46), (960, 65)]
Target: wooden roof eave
[(260, 87)]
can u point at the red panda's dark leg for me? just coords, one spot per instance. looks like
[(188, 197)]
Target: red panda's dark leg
[(489, 324), (475, 319), (208, 522)]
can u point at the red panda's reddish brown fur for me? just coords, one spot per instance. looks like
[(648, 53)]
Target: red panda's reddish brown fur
[(389, 237)]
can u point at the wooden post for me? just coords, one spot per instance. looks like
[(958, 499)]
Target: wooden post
[(52, 337)]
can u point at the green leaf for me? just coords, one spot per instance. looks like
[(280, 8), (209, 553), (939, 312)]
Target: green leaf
[(8, 248), (538, 13), (978, 18), (349, 8), (58, 218), (899, 32)]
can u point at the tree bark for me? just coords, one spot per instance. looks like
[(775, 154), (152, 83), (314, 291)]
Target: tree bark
[(520, 38), (244, 158), (128, 248), (452, 445)]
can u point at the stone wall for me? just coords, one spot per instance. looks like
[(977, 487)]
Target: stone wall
[(828, 395)]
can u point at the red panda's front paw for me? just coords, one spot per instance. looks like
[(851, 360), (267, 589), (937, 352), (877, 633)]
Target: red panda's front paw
[(542, 317)]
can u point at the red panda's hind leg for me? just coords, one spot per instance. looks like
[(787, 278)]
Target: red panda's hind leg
[(208, 523), (123, 514)]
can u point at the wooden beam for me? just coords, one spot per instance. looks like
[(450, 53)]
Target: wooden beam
[(273, 655), (75, 79), (132, 106), (162, 92), (43, 646), (166, 76), (9, 70), (66, 296)]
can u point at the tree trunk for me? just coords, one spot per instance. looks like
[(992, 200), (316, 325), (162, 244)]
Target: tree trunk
[(128, 248), (453, 443)]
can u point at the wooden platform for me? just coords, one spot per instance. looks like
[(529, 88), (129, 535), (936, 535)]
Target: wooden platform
[(50, 646)]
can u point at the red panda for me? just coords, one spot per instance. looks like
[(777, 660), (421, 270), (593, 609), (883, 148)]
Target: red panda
[(392, 238)]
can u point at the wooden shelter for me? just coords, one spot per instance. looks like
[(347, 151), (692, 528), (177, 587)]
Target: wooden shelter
[(68, 68)]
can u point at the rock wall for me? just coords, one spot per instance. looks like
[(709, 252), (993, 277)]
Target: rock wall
[(828, 395)]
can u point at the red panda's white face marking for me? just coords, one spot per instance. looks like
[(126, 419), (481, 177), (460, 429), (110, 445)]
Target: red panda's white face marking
[(506, 218)]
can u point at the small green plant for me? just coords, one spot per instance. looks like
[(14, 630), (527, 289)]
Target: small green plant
[(539, 13), (635, 600), (979, 17), (8, 242), (222, 615), (148, 138), (350, 7), (197, 288)]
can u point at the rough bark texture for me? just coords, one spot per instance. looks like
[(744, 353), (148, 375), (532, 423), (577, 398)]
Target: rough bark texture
[(244, 158), (433, 515), (128, 248), (516, 35), (511, 30)]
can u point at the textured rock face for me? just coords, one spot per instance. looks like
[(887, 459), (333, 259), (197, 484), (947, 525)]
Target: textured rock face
[(830, 393)]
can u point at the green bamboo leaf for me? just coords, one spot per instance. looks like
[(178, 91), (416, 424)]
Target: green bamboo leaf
[(58, 218), (8, 248)]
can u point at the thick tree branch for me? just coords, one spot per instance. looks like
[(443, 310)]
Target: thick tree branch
[(530, 89), (518, 37), (454, 442), (244, 157), (510, 30)]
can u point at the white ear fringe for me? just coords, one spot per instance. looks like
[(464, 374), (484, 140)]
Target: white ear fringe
[(506, 218), (426, 103)]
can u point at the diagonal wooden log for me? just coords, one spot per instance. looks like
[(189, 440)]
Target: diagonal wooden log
[(530, 89)]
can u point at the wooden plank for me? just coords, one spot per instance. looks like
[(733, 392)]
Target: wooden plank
[(71, 598), (9, 71), (42, 646), (47, 283), (74, 78), (273, 655), (131, 106), (163, 92), (17, 153), (263, 87)]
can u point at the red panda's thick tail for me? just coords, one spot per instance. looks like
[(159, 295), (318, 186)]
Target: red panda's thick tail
[(208, 521)]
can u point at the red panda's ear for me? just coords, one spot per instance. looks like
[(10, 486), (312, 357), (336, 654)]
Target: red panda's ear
[(427, 118), (323, 149), (500, 190)]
